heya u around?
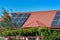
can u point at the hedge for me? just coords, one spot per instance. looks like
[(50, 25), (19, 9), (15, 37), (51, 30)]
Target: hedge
[(45, 33)]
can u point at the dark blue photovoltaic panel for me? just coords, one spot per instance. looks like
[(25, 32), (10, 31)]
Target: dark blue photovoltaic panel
[(20, 15), (59, 24), (23, 19), (56, 20), (26, 15), (54, 23), (19, 19), (19, 24), (13, 14), (56, 17), (58, 13), (12, 20)]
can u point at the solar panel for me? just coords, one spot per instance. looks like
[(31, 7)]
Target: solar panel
[(56, 20), (12, 19), (23, 19), (56, 17), (59, 24), (20, 15), (54, 23), (13, 14), (19, 24), (19, 19), (26, 15), (58, 13)]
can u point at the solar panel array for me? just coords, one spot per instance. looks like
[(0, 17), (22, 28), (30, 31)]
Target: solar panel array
[(19, 19), (56, 20)]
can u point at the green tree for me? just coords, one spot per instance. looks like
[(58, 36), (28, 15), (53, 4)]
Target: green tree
[(6, 19), (6, 23)]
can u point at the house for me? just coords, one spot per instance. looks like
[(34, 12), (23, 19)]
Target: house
[(50, 19)]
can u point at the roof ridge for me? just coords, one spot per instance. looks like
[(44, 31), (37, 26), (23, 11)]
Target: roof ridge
[(37, 11)]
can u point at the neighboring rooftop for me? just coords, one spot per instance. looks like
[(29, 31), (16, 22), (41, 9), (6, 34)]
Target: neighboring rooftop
[(1, 19)]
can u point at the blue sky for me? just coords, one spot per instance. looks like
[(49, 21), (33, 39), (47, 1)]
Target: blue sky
[(29, 5)]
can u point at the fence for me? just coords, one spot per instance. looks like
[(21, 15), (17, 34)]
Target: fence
[(23, 38)]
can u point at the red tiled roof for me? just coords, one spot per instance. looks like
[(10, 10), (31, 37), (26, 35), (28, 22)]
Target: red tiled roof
[(1, 19), (34, 23), (43, 18)]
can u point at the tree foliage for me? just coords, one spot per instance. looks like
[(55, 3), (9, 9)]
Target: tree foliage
[(6, 23)]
